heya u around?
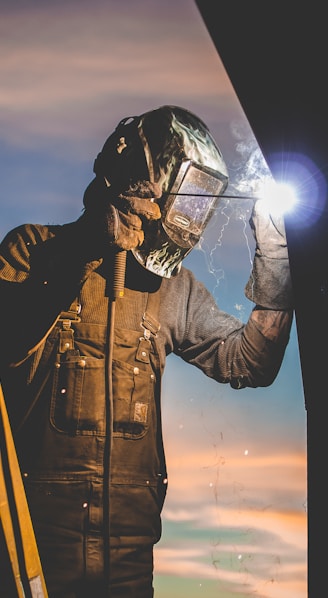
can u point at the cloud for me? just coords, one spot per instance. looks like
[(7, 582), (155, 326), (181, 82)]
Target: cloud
[(233, 468), (235, 517), (247, 552), (63, 69)]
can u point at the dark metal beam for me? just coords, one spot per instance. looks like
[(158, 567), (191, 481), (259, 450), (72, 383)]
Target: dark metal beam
[(275, 55)]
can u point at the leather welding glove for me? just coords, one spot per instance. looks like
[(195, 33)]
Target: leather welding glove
[(269, 285), (125, 215), (113, 218)]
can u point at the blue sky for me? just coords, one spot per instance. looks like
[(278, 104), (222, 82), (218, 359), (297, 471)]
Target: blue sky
[(234, 523)]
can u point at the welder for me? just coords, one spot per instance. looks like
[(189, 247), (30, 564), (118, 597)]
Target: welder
[(82, 359)]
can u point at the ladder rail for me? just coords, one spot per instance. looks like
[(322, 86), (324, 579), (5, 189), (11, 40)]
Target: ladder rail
[(37, 586)]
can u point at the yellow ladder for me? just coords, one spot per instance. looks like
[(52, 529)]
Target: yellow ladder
[(9, 462)]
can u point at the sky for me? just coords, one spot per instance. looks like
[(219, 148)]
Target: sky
[(234, 522)]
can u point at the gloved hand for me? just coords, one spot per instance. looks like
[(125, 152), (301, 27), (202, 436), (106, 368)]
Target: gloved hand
[(269, 285), (115, 218), (125, 215)]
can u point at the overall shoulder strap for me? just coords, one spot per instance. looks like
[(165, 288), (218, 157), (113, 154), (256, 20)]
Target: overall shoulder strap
[(40, 369), (138, 309), (150, 316)]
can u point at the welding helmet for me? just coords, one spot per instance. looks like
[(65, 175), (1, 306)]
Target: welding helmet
[(173, 147)]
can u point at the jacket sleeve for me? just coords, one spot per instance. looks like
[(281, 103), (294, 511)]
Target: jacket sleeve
[(253, 356), (41, 269), (225, 349)]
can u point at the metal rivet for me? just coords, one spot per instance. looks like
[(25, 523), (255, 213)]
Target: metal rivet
[(136, 370)]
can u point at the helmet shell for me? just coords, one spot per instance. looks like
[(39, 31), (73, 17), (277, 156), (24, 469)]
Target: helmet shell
[(154, 146)]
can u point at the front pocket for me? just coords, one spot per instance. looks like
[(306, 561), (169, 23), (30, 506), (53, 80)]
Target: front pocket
[(60, 515), (135, 513), (78, 396), (133, 389)]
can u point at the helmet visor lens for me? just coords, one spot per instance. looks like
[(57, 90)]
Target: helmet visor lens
[(192, 199)]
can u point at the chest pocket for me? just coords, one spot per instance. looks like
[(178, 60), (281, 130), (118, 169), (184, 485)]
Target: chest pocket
[(133, 385), (78, 398)]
